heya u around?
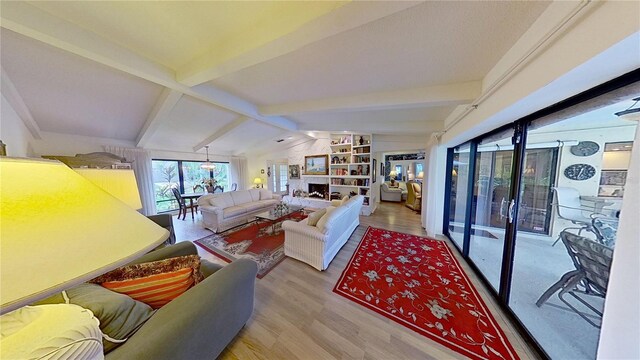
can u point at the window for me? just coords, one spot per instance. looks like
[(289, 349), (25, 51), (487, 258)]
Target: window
[(186, 176), (279, 177)]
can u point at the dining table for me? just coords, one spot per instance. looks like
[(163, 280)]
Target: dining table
[(191, 197)]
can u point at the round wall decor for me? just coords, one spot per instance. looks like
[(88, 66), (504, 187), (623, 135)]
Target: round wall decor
[(585, 148), (579, 172)]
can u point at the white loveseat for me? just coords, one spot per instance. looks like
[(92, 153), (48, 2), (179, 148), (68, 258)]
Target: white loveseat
[(225, 210), (318, 247)]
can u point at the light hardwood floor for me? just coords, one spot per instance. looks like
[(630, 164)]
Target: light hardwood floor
[(297, 315)]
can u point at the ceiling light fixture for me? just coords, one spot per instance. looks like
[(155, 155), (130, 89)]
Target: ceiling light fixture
[(208, 165), (631, 113)]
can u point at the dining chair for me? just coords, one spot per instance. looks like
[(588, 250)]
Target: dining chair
[(183, 205), (218, 189)]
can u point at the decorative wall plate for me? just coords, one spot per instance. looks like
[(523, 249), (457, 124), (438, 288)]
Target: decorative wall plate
[(585, 148), (579, 172)]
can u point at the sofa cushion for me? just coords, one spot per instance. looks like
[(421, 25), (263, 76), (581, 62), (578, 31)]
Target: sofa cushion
[(240, 197), (344, 199), (223, 200), (255, 194), (266, 194), (252, 206), (154, 283), (233, 211), (323, 220), (315, 216), (268, 203), (120, 315)]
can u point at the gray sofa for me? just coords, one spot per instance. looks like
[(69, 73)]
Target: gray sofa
[(200, 323)]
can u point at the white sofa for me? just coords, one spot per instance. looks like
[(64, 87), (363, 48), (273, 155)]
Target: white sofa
[(318, 247), (225, 210), (397, 194)]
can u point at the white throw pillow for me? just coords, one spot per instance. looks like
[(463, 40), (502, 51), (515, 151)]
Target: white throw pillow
[(323, 220), (344, 199), (255, 194), (60, 331), (314, 217), (266, 194)]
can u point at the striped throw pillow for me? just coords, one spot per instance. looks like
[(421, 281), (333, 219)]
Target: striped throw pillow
[(154, 283)]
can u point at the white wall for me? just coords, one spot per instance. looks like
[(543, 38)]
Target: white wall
[(620, 334), (13, 132)]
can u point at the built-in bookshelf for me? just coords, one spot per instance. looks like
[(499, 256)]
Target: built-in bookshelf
[(351, 168)]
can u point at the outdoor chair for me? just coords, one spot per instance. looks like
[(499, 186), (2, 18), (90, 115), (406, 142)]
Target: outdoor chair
[(605, 228), (592, 263), (569, 207), (234, 187)]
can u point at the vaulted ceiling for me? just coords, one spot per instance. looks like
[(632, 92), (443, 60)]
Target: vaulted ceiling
[(240, 75)]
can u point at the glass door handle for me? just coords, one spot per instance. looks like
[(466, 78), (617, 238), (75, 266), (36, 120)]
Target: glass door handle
[(512, 206)]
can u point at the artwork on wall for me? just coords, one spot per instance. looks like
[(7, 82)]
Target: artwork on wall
[(612, 183), (294, 172), (317, 164)]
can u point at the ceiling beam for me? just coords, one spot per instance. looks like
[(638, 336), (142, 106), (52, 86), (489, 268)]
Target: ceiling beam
[(439, 95), (34, 23), (158, 115), (221, 132), (12, 95), (216, 63), (412, 127)]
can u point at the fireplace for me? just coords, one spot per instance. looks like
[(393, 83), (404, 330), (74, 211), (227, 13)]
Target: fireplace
[(318, 190)]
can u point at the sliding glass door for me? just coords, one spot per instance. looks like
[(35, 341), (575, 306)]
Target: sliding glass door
[(534, 207), (491, 195), (458, 190)]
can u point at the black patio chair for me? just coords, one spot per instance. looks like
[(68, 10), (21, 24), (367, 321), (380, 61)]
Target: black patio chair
[(592, 263)]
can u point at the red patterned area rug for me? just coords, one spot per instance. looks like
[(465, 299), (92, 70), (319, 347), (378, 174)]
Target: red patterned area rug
[(261, 241), (418, 283)]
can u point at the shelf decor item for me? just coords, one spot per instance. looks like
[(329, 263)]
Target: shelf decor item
[(317, 164)]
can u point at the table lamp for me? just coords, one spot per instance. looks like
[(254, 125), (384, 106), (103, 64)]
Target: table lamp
[(258, 182), (420, 175), (392, 175), (121, 183), (58, 230)]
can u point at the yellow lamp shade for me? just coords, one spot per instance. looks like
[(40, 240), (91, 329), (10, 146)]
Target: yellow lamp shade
[(420, 175), (393, 174), (58, 229), (257, 181), (121, 183)]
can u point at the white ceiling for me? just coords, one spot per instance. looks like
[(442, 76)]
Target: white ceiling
[(437, 42), (68, 94), (239, 75)]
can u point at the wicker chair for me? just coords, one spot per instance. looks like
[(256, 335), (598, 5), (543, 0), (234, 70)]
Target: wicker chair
[(592, 263)]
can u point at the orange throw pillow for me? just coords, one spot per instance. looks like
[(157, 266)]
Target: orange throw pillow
[(154, 283)]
